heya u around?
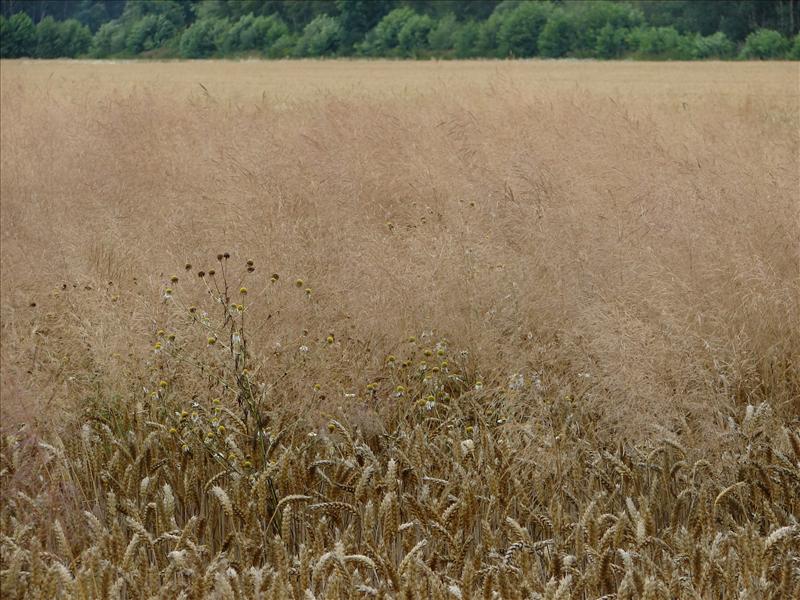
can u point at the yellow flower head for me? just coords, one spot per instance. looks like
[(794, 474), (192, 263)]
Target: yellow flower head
[(243, 291), (212, 341), (299, 283)]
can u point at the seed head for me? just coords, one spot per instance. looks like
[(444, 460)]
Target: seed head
[(329, 339), (249, 263), (192, 309), (243, 291), (162, 383), (212, 341), (174, 279), (219, 257), (201, 274), (157, 346), (188, 267), (212, 272), (226, 255), (173, 431), (274, 278), (299, 283)]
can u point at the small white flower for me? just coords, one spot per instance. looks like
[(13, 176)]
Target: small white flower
[(430, 404), (303, 348), (516, 381)]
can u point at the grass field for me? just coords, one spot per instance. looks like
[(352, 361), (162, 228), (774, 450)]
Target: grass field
[(486, 329)]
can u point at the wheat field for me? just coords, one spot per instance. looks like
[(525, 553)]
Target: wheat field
[(442, 330)]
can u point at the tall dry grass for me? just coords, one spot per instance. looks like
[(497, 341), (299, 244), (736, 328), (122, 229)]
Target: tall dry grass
[(618, 265)]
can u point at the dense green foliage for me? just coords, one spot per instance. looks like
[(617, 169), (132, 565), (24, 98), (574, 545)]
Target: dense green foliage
[(643, 29)]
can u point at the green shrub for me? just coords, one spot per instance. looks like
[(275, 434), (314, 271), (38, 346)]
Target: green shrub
[(558, 36), (109, 40), (413, 36), (283, 46), (765, 43), (607, 20), (611, 42), (321, 37), (716, 45), (17, 36), (56, 39), (794, 53), (519, 33), (254, 33), (204, 38), (442, 36), (663, 43), (466, 40), (148, 33), (383, 39)]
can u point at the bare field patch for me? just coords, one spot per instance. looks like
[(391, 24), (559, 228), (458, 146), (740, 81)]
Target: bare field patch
[(535, 329)]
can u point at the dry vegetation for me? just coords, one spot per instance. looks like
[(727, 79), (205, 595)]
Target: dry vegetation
[(535, 330)]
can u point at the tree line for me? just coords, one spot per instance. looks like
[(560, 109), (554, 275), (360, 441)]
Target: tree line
[(606, 29)]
